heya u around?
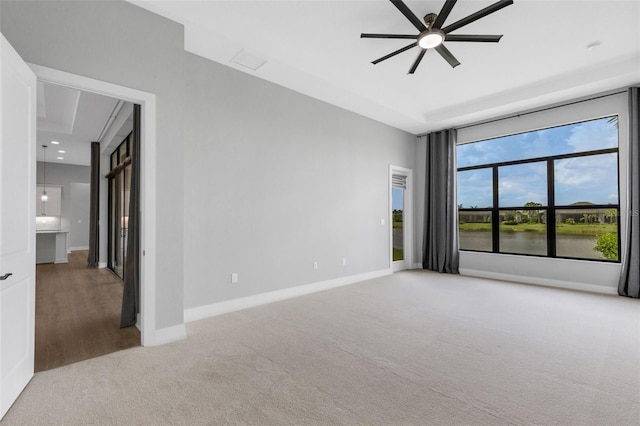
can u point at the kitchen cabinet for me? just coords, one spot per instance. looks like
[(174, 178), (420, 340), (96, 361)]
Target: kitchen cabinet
[(52, 246)]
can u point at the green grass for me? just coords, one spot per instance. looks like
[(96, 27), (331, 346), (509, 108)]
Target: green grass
[(473, 226), (398, 254), (525, 227), (561, 228), (581, 229), (397, 224)]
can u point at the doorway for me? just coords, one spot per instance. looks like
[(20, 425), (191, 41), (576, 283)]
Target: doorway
[(401, 218), (77, 308), (149, 335)]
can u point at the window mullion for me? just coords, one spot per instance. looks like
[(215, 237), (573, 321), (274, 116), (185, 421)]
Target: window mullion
[(495, 214), (551, 210)]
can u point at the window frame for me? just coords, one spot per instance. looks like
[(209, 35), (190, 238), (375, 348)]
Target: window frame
[(551, 207), (407, 262)]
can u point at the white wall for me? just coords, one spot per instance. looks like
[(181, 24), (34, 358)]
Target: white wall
[(574, 274), (275, 181)]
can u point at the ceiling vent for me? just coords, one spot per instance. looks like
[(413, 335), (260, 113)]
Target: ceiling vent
[(248, 60)]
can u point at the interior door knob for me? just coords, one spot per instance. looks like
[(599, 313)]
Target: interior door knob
[(5, 276)]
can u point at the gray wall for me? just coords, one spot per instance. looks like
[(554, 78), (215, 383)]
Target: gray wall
[(70, 177), (80, 200), (252, 178), (276, 181)]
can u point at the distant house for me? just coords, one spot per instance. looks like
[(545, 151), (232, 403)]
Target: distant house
[(589, 215)]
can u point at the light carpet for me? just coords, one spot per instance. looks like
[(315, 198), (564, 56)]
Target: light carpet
[(415, 348)]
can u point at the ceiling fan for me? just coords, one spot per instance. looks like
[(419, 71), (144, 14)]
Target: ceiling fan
[(433, 35)]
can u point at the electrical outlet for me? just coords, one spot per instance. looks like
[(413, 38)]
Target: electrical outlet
[(344, 261), (234, 278), (382, 221), (315, 265)]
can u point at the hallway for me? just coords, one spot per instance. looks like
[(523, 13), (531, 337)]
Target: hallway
[(78, 313)]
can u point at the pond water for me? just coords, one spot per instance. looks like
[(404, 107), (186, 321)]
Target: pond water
[(578, 246)]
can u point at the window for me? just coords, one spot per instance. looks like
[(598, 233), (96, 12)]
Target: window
[(119, 189), (551, 192), (400, 218), (398, 222)]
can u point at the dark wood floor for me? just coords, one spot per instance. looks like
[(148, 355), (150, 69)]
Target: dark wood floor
[(78, 313)]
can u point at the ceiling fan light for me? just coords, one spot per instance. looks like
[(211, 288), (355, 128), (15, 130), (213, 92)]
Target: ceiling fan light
[(430, 39)]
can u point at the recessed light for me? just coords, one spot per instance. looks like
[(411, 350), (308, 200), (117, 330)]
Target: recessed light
[(55, 142), (62, 151), (60, 158)]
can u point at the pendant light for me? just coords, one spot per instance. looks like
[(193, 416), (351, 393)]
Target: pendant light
[(44, 198)]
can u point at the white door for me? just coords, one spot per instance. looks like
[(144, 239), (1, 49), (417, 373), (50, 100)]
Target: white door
[(17, 224)]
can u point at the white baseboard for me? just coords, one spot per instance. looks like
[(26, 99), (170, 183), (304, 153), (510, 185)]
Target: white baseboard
[(79, 248), (569, 285), (214, 309), (102, 265), (166, 335), (61, 260)]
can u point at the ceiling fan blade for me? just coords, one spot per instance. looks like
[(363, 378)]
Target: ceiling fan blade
[(474, 37), (448, 56), (444, 14), (479, 14), (409, 15), (407, 36), (417, 62), (395, 53)]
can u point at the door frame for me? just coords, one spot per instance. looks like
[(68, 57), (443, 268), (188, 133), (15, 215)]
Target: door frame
[(147, 101), (407, 218)]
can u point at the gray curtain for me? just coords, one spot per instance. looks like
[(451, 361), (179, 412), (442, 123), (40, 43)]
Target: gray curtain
[(131, 294), (440, 244), (629, 284), (94, 207)]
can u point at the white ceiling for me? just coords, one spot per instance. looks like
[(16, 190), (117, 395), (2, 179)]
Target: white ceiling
[(314, 47), (73, 118)]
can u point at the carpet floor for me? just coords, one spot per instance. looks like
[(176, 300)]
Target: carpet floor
[(414, 348)]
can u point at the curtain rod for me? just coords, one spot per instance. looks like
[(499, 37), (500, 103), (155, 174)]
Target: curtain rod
[(493, 120)]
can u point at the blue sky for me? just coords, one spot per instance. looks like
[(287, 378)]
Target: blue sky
[(592, 179), (397, 200)]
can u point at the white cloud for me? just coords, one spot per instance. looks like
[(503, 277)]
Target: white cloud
[(587, 179), (474, 188), (518, 190), (586, 171), (597, 134)]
